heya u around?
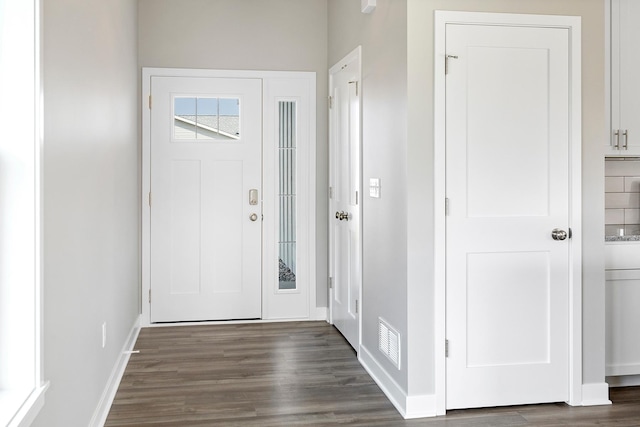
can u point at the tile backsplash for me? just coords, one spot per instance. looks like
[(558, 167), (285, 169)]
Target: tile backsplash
[(622, 196)]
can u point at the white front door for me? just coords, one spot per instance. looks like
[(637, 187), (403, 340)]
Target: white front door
[(205, 199), (344, 206), (507, 185)]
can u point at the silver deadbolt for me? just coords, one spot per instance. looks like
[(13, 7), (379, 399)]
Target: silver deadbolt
[(253, 217), (557, 234), (342, 215), (253, 197)]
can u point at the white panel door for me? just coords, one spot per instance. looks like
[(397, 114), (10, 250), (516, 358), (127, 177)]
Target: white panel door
[(507, 185), (344, 205), (205, 198)]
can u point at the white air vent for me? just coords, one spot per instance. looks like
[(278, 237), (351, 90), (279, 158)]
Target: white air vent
[(389, 342)]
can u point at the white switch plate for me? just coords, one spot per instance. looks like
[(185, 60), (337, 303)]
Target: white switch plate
[(104, 334), (374, 188)]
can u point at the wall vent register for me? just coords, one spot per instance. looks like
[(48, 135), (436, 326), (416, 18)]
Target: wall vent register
[(389, 342)]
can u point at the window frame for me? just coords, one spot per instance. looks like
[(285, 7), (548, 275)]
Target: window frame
[(20, 404)]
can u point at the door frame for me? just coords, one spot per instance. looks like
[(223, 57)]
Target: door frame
[(573, 25), (276, 86), (354, 56)]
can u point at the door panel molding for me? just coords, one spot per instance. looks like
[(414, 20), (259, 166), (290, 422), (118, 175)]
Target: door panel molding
[(300, 86), (573, 25)]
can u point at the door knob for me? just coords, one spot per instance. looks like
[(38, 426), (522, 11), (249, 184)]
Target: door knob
[(342, 215), (557, 234), (253, 217)]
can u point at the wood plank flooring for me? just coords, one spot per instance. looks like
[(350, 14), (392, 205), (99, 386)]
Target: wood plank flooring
[(294, 374)]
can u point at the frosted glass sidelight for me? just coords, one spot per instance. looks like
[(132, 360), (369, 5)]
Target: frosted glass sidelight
[(287, 195)]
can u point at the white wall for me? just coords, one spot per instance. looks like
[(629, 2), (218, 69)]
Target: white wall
[(383, 36), (275, 35), (91, 200)]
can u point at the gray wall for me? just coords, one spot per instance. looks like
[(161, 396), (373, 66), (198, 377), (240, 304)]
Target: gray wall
[(90, 200), (398, 234), (383, 36), (275, 35)]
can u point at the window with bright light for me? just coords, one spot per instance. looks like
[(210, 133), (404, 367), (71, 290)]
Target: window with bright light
[(21, 386)]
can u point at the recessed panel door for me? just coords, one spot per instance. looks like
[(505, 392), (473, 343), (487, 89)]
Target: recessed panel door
[(205, 199), (345, 262), (507, 227)]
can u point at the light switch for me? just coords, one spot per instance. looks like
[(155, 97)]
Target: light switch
[(374, 188)]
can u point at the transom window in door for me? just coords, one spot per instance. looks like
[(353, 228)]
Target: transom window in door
[(206, 118), (287, 195)]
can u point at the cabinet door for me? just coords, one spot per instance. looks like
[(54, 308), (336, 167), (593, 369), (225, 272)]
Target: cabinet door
[(623, 318), (625, 69)]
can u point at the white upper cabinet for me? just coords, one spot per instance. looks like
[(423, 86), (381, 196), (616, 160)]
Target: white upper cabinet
[(625, 84)]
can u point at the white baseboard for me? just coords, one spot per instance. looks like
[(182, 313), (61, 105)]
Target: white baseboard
[(320, 313), (624, 381), (409, 406), (109, 393), (595, 394), (617, 370)]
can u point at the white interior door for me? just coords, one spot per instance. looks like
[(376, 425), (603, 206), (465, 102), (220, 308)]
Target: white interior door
[(345, 262), (507, 185), (205, 199)]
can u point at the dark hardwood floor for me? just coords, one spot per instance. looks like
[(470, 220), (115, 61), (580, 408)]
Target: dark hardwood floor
[(294, 374)]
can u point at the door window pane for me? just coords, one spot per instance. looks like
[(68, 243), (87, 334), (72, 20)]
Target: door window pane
[(206, 118), (287, 195)]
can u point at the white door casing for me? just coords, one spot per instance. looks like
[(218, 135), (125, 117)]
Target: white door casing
[(299, 87), (205, 233), (512, 294), (344, 204)]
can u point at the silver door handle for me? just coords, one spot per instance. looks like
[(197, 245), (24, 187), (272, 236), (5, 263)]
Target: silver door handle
[(342, 215), (626, 139), (557, 234), (617, 135), (253, 217)]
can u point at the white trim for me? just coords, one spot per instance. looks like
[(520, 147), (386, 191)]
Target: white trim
[(320, 313), (104, 405), (623, 381), (607, 74), (415, 406), (30, 409), (573, 24), (619, 369), (310, 166), (595, 394)]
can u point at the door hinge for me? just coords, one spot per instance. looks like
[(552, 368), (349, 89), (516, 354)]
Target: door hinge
[(446, 62), (356, 83), (331, 192), (446, 348), (149, 102), (149, 296), (330, 282), (330, 102), (356, 306), (149, 198), (446, 206)]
